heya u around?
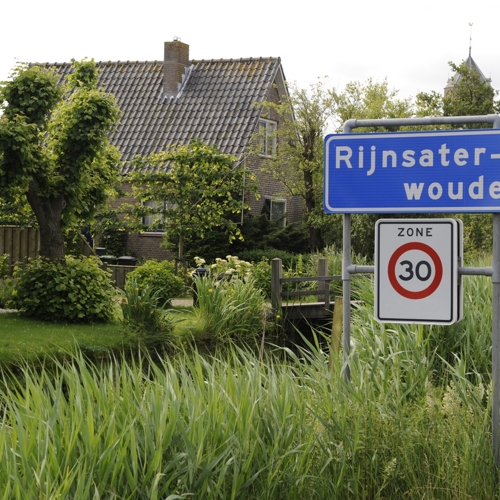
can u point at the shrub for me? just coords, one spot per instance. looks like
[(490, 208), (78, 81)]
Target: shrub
[(227, 309), (143, 317), (75, 290), (161, 278), (271, 253), (6, 291), (4, 265)]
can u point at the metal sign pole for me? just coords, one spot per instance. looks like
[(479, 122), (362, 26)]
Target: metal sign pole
[(495, 338), (494, 271), (346, 290)]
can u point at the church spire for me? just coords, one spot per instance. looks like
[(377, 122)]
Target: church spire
[(470, 40)]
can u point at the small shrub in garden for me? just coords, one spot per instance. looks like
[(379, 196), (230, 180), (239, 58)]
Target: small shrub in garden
[(4, 265), (142, 315), (6, 291), (75, 290), (228, 309), (161, 278)]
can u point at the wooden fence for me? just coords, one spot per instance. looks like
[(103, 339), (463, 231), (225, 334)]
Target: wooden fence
[(22, 244)]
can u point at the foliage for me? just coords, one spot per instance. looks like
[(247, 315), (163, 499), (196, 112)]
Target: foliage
[(469, 96), (6, 291), (110, 232), (255, 256), (230, 267), (226, 309), (54, 148), (236, 426), (259, 234), (160, 278), (4, 265), (143, 316), (196, 187), (298, 163), (368, 101), (75, 291)]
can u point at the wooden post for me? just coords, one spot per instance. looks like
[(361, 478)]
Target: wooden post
[(323, 286), (276, 273), (336, 331)]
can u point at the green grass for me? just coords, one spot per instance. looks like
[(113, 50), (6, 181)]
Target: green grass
[(30, 340)]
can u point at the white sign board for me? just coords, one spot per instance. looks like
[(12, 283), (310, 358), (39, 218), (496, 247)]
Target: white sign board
[(416, 271)]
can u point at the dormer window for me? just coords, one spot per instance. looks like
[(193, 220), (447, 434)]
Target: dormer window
[(267, 129)]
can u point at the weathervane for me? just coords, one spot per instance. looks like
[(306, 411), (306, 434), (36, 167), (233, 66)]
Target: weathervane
[(470, 39)]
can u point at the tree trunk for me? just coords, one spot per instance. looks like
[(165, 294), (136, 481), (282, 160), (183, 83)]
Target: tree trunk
[(315, 238), (48, 212)]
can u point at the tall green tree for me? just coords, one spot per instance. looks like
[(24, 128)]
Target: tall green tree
[(194, 188), (54, 147), (470, 95), (298, 162), (367, 101)]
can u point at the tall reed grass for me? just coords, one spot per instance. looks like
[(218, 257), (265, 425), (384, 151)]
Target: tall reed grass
[(235, 427), (414, 423)]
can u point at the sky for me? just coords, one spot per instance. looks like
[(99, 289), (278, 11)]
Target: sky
[(407, 43)]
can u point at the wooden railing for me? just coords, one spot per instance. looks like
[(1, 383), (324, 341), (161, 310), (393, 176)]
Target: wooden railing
[(323, 290)]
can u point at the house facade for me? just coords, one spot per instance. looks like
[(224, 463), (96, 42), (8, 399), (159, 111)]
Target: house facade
[(177, 99)]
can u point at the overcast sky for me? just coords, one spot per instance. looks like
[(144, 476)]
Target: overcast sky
[(409, 43)]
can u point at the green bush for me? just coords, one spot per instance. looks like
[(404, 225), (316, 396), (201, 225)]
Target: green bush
[(6, 291), (271, 253), (4, 265), (227, 309), (161, 278), (75, 290), (143, 318)]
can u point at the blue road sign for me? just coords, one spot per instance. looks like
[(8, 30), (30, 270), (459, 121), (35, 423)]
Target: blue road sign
[(412, 172)]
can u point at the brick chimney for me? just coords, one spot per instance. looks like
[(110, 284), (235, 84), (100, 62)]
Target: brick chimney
[(175, 61)]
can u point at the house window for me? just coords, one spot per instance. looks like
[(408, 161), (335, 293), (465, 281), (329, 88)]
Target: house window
[(277, 209), (149, 220), (267, 130)]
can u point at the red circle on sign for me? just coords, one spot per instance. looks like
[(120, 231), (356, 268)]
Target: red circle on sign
[(438, 266)]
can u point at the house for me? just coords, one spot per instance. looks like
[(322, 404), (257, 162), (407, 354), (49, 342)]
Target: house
[(177, 99)]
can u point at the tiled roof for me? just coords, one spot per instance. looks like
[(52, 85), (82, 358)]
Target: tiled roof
[(214, 104)]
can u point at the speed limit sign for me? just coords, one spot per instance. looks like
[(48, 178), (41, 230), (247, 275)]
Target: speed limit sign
[(416, 271)]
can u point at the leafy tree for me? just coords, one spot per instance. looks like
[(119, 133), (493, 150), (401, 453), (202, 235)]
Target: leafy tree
[(54, 148), (195, 187), (368, 101), (298, 163), (470, 95)]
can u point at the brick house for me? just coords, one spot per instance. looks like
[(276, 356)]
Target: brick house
[(175, 100)]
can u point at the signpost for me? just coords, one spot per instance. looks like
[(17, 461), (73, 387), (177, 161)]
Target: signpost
[(413, 172), (418, 172), (416, 271)]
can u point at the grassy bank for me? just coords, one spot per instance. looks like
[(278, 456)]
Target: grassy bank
[(32, 340)]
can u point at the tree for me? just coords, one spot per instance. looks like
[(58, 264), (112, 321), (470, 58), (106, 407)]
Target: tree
[(306, 117), (470, 95), (195, 187), (368, 101), (54, 148), (298, 162)]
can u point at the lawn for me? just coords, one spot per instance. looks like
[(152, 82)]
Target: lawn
[(28, 339)]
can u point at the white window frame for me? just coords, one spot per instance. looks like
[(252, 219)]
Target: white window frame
[(267, 130), (275, 213)]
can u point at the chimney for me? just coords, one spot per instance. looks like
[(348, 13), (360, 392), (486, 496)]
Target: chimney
[(175, 61)]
